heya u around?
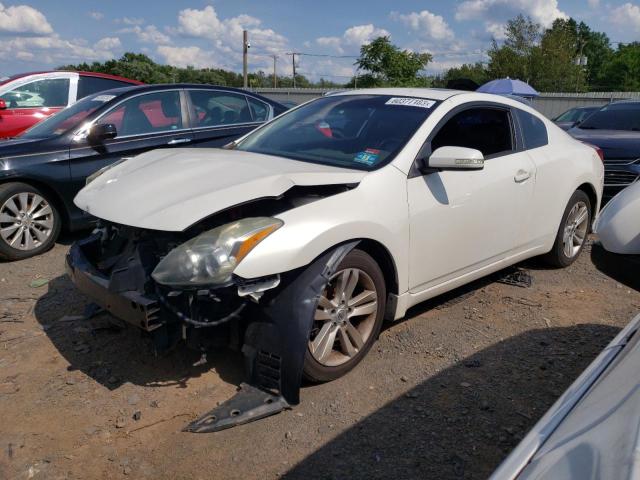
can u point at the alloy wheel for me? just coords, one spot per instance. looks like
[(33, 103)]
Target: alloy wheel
[(26, 221), (575, 229), (345, 317)]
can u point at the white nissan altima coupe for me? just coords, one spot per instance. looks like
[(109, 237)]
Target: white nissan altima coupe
[(296, 241)]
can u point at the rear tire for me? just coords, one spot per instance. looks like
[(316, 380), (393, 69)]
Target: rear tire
[(29, 221), (573, 231), (348, 318)]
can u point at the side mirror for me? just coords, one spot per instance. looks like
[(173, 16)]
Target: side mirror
[(3, 104), (103, 131), (456, 158)]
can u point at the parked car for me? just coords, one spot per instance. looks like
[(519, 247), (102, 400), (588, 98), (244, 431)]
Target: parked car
[(296, 241), (29, 98), (618, 225), (573, 116), (615, 129), (591, 432), (43, 169)]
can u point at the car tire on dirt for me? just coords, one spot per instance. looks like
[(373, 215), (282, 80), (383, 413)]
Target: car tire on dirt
[(573, 231), (29, 221), (348, 318)]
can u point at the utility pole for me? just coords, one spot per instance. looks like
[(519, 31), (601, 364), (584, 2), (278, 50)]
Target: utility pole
[(275, 78), (293, 65), (245, 55)]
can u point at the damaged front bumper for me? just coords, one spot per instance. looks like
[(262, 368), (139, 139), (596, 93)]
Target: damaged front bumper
[(273, 331)]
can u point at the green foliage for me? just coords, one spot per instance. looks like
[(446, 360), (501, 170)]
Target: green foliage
[(384, 64), (138, 66), (621, 71)]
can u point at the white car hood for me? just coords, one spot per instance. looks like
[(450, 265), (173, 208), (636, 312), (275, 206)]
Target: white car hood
[(172, 189)]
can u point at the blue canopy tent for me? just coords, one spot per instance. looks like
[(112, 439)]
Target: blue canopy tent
[(508, 86)]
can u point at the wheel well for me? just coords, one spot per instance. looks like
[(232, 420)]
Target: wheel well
[(382, 256), (47, 190), (593, 197)]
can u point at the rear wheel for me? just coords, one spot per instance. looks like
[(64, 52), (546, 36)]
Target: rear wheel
[(573, 231), (29, 222), (348, 318)]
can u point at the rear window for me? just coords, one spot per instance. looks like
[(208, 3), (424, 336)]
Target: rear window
[(533, 130), (89, 85), (616, 116)]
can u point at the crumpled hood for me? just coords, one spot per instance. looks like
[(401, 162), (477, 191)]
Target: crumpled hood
[(172, 189)]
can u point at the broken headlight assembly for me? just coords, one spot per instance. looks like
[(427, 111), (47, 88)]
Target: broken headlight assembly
[(211, 257)]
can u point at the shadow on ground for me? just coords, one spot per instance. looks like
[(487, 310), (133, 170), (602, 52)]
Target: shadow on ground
[(112, 352), (622, 268), (462, 422)]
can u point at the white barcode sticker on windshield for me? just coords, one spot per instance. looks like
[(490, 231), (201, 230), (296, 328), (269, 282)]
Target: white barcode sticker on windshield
[(411, 102), (103, 98)]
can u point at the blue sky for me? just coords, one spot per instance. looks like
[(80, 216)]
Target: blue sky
[(39, 34)]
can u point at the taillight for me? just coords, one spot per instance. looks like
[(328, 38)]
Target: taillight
[(597, 149)]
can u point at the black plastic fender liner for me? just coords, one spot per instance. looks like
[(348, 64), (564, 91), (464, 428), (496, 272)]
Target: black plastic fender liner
[(275, 348)]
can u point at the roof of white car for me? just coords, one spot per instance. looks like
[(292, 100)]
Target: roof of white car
[(431, 93)]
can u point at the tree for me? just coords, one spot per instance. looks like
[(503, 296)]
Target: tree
[(385, 64), (514, 57), (622, 71)]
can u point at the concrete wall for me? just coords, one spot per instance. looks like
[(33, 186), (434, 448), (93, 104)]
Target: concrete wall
[(549, 104)]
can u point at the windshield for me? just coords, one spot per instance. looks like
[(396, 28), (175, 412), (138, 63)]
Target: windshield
[(576, 114), (352, 131), (616, 116), (68, 118)]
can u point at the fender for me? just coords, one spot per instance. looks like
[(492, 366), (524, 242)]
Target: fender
[(275, 348)]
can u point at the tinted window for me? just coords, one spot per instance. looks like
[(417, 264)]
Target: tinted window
[(214, 108), (90, 85), (259, 110), (150, 113), (533, 130), (484, 129), (352, 131), (615, 116), (50, 92)]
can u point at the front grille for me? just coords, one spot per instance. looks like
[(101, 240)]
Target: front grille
[(617, 178), (621, 161)]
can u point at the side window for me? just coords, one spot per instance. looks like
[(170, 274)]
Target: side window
[(259, 110), (49, 92), (213, 108), (484, 129), (533, 130), (150, 113), (89, 85)]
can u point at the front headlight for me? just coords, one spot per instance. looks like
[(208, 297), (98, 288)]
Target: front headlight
[(211, 257)]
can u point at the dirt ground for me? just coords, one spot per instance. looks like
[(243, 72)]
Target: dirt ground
[(446, 393)]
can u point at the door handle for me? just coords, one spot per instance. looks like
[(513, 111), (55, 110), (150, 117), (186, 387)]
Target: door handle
[(177, 141), (521, 176)]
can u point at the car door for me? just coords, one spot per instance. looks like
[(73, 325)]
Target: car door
[(143, 122), (29, 102), (219, 116), (462, 220)]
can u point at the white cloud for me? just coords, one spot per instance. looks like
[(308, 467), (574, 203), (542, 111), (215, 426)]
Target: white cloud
[(130, 21), (627, 16), (352, 38), (227, 33), (593, 3), (426, 24), (186, 56), (148, 34), (497, 12), (23, 19), (108, 43), (96, 15), (496, 30)]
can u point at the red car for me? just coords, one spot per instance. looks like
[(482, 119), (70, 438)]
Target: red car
[(28, 98)]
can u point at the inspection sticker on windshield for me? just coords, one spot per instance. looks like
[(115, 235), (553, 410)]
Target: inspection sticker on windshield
[(411, 102), (103, 98), (368, 157)]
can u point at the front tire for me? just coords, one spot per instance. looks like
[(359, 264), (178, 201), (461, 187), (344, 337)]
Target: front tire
[(573, 231), (29, 221), (348, 318)]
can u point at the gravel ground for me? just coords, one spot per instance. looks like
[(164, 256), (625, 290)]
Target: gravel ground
[(446, 393)]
